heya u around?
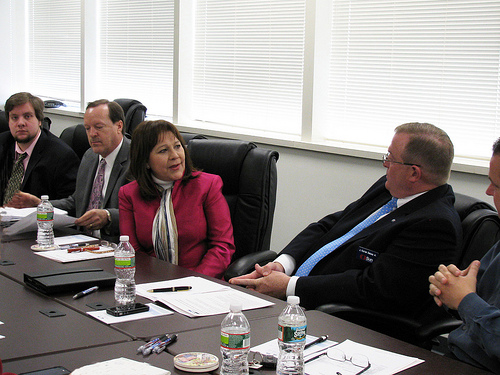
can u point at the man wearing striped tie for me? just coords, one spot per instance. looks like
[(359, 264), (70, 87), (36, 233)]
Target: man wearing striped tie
[(32, 159), (377, 253), (102, 172)]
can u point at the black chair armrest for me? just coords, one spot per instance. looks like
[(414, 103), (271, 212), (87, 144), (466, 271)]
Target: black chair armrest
[(246, 264), (398, 326)]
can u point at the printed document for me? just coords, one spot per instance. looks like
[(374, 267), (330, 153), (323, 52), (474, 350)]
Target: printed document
[(203, 299)]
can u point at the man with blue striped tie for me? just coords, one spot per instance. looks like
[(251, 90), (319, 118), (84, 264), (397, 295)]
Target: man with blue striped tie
[(378, 251)]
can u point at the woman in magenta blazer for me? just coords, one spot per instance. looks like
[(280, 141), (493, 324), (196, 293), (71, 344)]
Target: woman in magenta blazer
[(158, 160)]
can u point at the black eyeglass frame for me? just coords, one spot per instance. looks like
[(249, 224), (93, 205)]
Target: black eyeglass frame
[(385, 159)]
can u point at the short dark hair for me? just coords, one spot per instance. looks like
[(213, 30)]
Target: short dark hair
[(430, 147), (115, 110), (496, 147), (22, 98), (144, 138)]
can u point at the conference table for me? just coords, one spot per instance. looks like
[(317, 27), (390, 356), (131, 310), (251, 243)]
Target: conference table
[(73, 339)]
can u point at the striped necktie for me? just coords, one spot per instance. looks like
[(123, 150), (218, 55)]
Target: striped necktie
[(314, 259), (15, 178)]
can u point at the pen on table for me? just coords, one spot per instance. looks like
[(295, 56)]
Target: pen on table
[(85, 292), (317, 341), (171, 289)]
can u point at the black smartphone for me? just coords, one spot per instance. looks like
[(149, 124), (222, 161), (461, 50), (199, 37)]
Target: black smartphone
[(133, 309), (58, 370)]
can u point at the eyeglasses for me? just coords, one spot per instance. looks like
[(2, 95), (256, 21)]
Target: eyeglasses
[(385, 159), (358, 360)]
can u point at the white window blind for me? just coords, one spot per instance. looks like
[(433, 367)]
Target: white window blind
[(433, 61), (248, 63), (54, 48), (136, 52)]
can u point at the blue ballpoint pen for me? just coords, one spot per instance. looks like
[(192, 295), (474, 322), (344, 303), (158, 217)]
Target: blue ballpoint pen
[(85, 292)]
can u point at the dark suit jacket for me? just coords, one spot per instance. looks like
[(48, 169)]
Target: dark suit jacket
[(77, 203), (51, 169), (387, 265)]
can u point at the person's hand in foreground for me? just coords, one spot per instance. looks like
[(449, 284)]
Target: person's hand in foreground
[(270, 280), (449, 285)]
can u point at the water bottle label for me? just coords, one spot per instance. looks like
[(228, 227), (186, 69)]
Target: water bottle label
[(45, 216), (125, 262), (292, 334), (235, 341)]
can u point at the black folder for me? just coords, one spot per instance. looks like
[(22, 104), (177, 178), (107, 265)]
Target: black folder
[(69, 279)]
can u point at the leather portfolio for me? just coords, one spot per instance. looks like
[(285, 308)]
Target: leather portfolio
[(69, 279)]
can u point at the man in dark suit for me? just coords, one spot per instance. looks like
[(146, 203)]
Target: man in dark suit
[(47, 165), (386, 264), (104, 122)]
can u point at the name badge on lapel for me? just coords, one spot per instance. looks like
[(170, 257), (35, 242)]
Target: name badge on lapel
[(366, 255)]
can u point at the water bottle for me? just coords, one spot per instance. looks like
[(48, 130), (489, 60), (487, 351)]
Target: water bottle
[(292, 327), (235, 342), (125, 273), (45, 223)]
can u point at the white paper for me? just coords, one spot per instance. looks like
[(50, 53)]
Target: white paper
[(205, 298), (29, 224), (62, 256), (382, 362), (77, 239), (10, 213), (122, 366), (154, 311), (271, 347)]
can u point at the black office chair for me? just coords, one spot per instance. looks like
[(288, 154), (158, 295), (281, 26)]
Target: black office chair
[(4, 123), (76, 138), (135, 113), (188, 136), (249, 175)]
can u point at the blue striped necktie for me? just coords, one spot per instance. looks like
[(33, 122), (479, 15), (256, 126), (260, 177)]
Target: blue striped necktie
[(309, 264)]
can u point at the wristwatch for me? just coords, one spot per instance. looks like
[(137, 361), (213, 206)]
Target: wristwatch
[(109, 216)]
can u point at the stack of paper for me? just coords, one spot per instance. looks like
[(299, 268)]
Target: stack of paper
[(204, 298), (15, 214), (65, 242)]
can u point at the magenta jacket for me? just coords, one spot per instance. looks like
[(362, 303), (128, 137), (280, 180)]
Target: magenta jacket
[(203, 223)]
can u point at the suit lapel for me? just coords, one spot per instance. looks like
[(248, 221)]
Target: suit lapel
[(116, 171), (90, 171)]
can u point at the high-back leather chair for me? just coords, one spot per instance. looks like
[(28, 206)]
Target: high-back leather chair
[(135, 113), (249, 175), (4, 123), (76, 137)]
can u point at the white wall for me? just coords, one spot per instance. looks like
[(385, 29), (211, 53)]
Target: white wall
[(313, 184)]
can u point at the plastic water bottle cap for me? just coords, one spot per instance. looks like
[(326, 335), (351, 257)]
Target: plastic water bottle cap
[(123, 238), (293, 300), (236, 307), (45, 197)]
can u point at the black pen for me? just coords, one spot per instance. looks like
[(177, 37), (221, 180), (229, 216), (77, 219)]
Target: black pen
[(317, 341), (172, 289), (85, 292)]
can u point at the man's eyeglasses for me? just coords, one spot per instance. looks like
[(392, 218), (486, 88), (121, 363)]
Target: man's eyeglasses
[(358, 360), (385, 159)]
